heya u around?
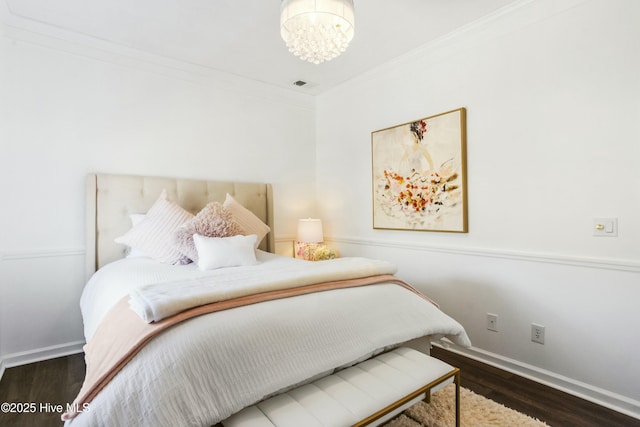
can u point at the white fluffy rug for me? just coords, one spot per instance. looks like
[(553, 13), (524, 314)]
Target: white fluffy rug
[(475, 411)]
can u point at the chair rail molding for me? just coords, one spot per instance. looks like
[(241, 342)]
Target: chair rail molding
[(539, 257), (40, 253)]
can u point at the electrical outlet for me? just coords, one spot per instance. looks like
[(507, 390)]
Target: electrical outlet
[(492, 322), (537, 333)]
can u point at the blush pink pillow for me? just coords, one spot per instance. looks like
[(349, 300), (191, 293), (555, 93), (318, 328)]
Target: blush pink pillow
[(249, 223)]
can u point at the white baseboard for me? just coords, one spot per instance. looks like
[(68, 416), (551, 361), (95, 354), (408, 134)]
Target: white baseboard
[(38, 355), (579, 389)]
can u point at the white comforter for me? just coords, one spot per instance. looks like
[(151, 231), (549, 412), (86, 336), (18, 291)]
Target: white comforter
[(204, 369)]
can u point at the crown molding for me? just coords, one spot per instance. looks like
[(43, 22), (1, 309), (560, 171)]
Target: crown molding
[(26, 30)]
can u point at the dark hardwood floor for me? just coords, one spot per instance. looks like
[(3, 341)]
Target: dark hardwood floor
[(54, 382), (57, 381), (554, 407)]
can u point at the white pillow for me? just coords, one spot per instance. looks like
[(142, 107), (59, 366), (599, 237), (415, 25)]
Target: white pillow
[(218, 252), (135, 220), (154, 235), (247, 220)]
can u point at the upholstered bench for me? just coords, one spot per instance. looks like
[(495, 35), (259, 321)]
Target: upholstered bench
[(368, 393)]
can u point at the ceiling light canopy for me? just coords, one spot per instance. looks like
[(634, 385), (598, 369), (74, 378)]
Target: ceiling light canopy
[(317, 30)]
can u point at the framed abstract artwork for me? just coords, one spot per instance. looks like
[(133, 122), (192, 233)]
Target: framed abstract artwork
[(419, 174)]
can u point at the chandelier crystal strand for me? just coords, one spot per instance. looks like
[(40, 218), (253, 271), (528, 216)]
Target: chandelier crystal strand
[(317, 30)]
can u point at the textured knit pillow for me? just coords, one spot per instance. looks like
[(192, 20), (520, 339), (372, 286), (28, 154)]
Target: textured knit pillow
[(212, 221), (153, 236), (249, 223), (219, 252)]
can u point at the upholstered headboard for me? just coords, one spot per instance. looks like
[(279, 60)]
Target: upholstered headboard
[(112, 198)]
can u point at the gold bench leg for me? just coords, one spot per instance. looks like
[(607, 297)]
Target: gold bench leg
[(457, 381)]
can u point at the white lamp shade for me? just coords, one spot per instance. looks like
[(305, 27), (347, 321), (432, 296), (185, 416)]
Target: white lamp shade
[(310, 230)]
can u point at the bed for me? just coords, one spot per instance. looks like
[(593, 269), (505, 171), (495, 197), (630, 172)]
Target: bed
[(247, 332)]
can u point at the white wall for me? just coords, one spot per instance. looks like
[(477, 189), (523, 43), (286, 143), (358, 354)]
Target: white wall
[(70, 106), (553, 104)]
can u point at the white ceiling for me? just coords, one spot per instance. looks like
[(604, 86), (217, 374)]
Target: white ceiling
[(242, 37)]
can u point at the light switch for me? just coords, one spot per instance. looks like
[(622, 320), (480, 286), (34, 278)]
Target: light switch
[(605, 227)]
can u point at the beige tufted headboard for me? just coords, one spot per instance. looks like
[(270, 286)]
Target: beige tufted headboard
[(112, 198)]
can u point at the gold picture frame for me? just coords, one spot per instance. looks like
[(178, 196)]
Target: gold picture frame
[(419, 174)]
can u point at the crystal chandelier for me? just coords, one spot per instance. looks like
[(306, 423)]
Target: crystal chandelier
[(317, 30)]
